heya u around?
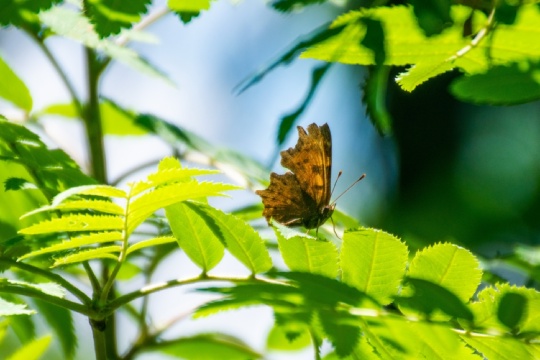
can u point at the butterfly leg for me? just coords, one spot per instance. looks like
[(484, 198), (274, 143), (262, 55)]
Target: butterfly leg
[(334, 226)]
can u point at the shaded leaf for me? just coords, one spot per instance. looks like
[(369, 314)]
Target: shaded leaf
[(288, 337), (110, 16), (23, 13), (292, 5), (429, 297), (433, 16), (61, 322), (492, 86), (344, 337), (14, 183), (511, 311), (208, 347)]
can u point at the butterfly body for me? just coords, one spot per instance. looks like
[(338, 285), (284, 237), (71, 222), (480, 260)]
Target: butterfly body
[(301, 197)]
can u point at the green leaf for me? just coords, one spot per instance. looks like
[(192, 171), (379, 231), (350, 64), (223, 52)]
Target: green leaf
[(15, 184), (117, 120), (23, 13), (374, 96), (399, 338), (168, 176), (151, 242), (344, 337), (322, 291), (61, 321), (51, 289), (363, 350), (492, 86), (106, 252), (77, 243), (433, 16), (12, 88), (288, 337), (101, 206), (241, 240), (405, 43), (75, 223), (23, 327), (208, 347), (429, 297), (293, 5), (53, 168), (110, 16), (146, 204), (197, 234), (93, 190), (75, 26), (449, 266), (188, 9), (500, 348), (68, 110), (374, 262), (304, 253), (490, 313), (511, 309), (8, 309), (32, 350)]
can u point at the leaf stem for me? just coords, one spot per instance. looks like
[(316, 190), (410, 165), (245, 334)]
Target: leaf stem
[(63, 76)]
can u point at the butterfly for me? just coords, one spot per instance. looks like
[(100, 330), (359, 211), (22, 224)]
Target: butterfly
[(301, 196)]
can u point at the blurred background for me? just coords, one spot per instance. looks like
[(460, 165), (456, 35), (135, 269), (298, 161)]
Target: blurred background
[(449, 172)]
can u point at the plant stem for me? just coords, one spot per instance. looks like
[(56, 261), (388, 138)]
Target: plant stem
[(92, 120), (100, 347)]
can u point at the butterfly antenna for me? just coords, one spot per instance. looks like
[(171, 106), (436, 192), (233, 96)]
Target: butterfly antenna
[(335, 182), (349, 188)]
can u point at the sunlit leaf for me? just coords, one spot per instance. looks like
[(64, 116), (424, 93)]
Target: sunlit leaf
[(188, 9), (304, 253), (77, 243), (374, 262), (32, 350), (288, 337), (242, 241), (197, 234), (106, 252), (150, 242), (8, 309), (12, 88), (75, 223)]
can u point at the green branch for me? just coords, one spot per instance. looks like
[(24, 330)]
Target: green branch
[(37, 294), (147, 290), (85, 299)]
